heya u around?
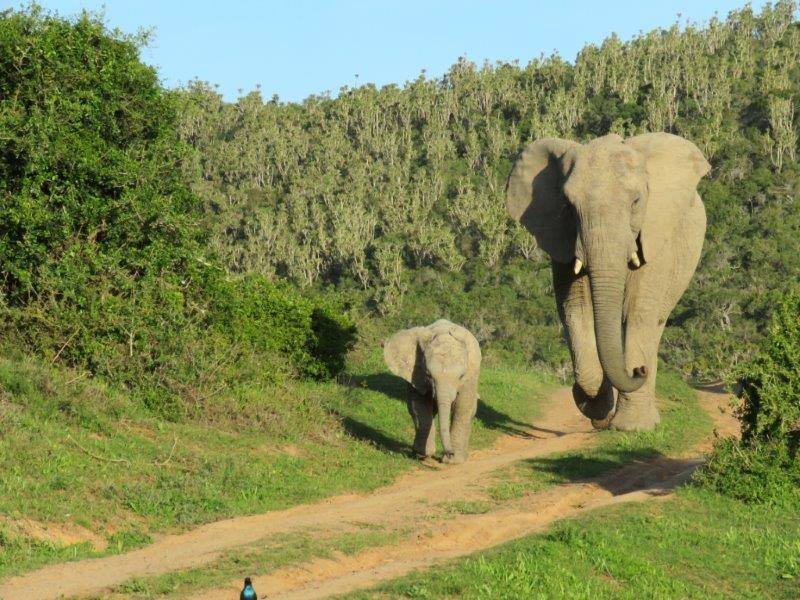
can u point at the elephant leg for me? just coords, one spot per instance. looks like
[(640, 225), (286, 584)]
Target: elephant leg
[(651, 294), (592, 392), (637, 411), (464, 409), (600, 408), (422, 410)]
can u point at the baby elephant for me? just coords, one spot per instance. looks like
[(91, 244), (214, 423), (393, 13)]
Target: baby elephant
[(441, 363)]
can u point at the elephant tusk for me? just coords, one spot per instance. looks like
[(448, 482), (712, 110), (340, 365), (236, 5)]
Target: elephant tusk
[(635, 260), (578, 266)]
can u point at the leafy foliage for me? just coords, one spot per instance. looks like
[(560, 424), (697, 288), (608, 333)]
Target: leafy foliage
[(765, 465), (764, 473), (771, 381), (390, 190), (272, 316), (102, 248)]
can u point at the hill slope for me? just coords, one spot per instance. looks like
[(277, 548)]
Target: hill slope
[(396, 194)]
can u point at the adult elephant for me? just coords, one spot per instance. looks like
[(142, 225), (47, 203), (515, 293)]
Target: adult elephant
[(624, 225)]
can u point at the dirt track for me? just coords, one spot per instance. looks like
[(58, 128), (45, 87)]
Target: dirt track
[(408, 500)]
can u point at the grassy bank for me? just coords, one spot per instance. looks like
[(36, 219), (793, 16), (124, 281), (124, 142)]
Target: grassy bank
[(684, 424), (696, 545), (101, 474)]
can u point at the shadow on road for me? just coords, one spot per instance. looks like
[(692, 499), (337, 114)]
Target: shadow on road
[(617, 471)]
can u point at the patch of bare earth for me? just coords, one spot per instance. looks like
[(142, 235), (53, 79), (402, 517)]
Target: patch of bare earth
[(411, 500), (63, 534)]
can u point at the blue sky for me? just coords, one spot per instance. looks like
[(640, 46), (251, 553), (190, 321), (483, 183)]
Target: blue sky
[(294, 48)]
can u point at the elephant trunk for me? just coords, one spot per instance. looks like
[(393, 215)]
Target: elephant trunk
[(444, 401), (607, 276)]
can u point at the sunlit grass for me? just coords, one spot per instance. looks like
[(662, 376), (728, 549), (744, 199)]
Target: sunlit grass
[(696, 545), (73, 450)]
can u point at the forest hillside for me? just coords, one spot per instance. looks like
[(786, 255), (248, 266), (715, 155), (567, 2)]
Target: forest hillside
[(395, 196)]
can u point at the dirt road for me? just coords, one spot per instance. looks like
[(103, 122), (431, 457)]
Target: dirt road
[(404, 503)]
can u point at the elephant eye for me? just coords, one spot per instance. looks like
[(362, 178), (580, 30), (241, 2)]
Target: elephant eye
[(636, 200)]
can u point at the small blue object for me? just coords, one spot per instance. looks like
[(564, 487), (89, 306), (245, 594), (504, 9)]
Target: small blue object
[(248, 593)]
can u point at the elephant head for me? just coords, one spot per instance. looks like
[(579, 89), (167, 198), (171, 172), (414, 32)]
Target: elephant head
[(436, 360), (608, 206)]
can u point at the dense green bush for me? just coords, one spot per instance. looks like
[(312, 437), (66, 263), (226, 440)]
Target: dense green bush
[(766, 472), (268, 316), (88, 166), (765, 464), (771, 381), (102, 258), (103, 253)]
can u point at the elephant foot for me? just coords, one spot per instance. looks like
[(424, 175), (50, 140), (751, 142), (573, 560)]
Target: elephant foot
[(600, 408), (603, 423), (635, 417), (449, 458), (423, 449)]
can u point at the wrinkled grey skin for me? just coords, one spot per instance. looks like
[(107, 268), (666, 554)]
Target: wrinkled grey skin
[(441, 363), (624, 214)]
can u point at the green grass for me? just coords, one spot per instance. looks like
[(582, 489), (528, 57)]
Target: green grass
[(261, 558), (696, 545), (466, 507), (74, 450)]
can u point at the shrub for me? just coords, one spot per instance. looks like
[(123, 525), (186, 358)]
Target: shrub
[(771, 381), (765, 465), (767, 472), (103, 254), (100, 250), (272, 316)]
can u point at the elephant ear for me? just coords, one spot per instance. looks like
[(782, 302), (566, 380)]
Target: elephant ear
[(465, 336), (674, 166), (403, 355), (535, 198)]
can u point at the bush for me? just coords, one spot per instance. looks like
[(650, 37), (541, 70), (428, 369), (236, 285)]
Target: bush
[(272, 316), (767, 472), (771, 381), (103, 252), (765, 465), (100, 248)]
